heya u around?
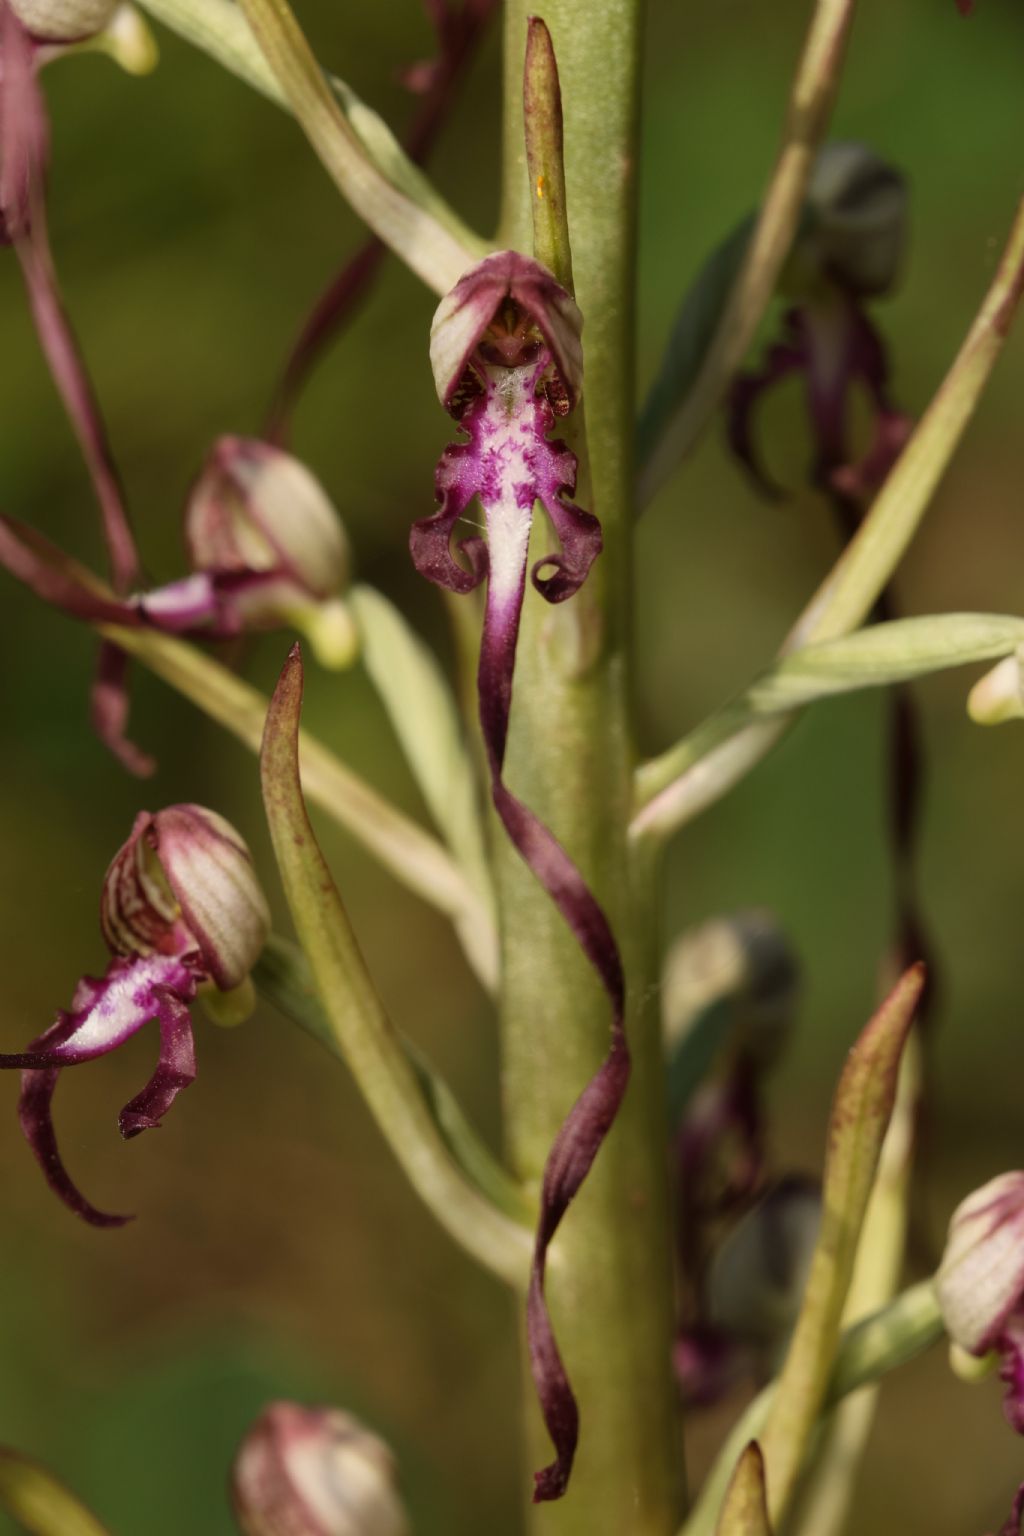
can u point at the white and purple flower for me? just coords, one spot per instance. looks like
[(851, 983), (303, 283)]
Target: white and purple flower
[(508, 365), (181, 910)]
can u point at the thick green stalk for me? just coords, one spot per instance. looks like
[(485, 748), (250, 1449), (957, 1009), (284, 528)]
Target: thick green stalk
[(570, 757)]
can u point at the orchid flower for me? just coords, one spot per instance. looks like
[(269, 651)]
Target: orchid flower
[(850, 251), (980, 1283), (181, 911), (318, 1471), (266, 548), (507, 361)]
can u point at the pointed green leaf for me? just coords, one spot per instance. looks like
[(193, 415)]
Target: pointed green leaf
[(882, 654), (542, 120), (857, 1126), (362, 1030)]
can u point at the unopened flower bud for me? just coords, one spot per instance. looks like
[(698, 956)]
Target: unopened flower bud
[(999, 695), (856, 232), (63, 20), (757, 1277), (315, 1472), (980, 1282), (184, 881), (260, 522)]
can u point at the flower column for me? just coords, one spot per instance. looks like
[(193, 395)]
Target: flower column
[(570, 756)]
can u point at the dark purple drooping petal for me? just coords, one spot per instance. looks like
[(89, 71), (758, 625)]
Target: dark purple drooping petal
[(24, 139), (109, 707), (1012, 1526), (104, 1013), (834, 346), (784, 358), (505, 350), (36, 1120)]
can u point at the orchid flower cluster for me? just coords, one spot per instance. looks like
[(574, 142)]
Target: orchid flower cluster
[(693, 1261)]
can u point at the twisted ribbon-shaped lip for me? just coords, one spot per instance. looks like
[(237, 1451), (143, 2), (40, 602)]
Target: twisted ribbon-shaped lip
[(507, 363)]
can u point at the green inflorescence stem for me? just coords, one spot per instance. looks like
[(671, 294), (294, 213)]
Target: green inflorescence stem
[(570, 757)]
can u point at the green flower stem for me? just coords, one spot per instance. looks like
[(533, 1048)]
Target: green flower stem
[(570, 757), (362, 155), (282, 976), (704, 766), (412, 855), (810, 104), (867, 1352), (40, 1504)]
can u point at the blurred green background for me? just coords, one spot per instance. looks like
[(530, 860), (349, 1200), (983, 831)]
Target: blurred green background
[(277, 1250)]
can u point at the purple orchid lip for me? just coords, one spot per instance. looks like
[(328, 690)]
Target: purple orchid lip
[(505, 348), (181, 907)]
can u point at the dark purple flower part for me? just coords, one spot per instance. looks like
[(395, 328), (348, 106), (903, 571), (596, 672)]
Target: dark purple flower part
[(834, 347), (966, 8), (30, 32), (1012, 1526), (505, 349), (980, 1282), (181, 909), (315, 1472), (849, 250)]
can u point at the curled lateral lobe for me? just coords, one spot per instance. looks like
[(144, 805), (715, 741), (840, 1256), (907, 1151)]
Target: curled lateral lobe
[(104, 1013), (505, 347)]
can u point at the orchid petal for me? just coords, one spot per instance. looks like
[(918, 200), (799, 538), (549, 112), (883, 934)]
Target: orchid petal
[(468, 310), (48, 572), (506, 358), (36, 1120), (108, 1012), (176, 1068), (110, 708), (24, 140), (784, 358)]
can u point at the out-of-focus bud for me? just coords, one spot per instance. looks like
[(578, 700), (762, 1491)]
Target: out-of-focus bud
[(756, 1279), (185, 881), (999, 695), (743, 962), (265, 528), (315, 1472), (980, 1282), (63, 21), (856, 230)]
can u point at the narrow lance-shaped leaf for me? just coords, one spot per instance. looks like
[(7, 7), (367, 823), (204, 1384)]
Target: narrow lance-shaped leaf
[(364, 1033), (857, 1126), (410, 229), (745, 1508), (542, 120)]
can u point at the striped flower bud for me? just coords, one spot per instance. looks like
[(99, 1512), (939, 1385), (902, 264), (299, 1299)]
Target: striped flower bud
[(63, 21), (317, 1471)]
